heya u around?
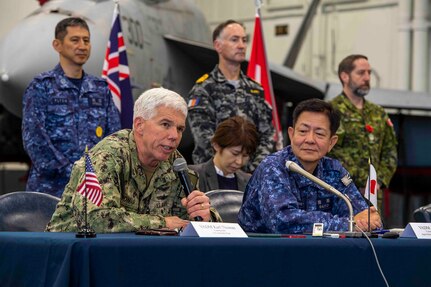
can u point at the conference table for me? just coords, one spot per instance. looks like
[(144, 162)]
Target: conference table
[(61, 259)]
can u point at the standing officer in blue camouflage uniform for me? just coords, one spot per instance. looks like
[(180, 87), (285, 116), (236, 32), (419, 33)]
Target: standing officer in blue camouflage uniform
[(65, 110), (228, 92), (277, 200), (134, 168), (366, 131)]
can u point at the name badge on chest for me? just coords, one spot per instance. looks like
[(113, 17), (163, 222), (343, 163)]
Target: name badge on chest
[(324, 203), (95, 102)]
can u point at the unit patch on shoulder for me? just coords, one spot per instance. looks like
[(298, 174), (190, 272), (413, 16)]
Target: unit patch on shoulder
[(346, 180), (254, 91), (201, 79), (194, 101)]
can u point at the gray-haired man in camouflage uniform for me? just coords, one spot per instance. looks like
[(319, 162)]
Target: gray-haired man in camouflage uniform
[(228, 92), (134, 168), (366, 131)]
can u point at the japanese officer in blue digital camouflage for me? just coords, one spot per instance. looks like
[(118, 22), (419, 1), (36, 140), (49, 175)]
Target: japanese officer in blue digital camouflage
[(277, 200), (64, 110)]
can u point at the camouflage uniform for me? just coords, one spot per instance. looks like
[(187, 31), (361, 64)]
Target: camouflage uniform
[(129, 201), (279, 201), (59, 120), (356, 144), (213, 99)]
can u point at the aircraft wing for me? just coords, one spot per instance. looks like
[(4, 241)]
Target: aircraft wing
[(295, 87), (202, 53)]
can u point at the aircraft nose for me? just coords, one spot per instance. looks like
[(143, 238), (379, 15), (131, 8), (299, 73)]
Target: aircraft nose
[(25, 52)]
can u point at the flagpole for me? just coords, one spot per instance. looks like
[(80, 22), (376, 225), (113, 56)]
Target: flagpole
[(258, 4), (86, 231)]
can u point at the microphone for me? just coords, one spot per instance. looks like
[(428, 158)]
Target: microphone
[(296, 168), (180, 167)]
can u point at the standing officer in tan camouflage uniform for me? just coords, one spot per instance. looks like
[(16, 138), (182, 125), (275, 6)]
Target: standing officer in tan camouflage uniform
[(228, 92), (134, 168), (366, 131)]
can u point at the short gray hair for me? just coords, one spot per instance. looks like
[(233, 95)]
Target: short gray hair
[(150, 100)]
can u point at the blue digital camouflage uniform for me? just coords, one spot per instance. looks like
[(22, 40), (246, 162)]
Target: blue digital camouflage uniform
[(130, 201), (356, 144), (213, 99), (59, 120), (277, 200)]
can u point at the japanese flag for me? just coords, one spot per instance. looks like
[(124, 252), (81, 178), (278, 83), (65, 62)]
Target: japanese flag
[(371, 187)]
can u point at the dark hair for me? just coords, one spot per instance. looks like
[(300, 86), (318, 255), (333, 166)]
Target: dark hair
[(237, 131), (61, 28), (217, 31), (319, 106), (347, 64)]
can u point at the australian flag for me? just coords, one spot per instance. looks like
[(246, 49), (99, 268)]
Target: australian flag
[(90, 186), (116, 72)]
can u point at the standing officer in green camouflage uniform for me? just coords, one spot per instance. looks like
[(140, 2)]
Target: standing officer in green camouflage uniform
[(366, 131), (228, 92), (134, 168)]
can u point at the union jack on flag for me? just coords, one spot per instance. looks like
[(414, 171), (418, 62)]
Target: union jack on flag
[(90, 186), (116, 72)]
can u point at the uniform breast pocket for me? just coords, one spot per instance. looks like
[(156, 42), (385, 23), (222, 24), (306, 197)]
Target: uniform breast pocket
[(97, 115), (96, 110), (325, 203), (129, 204), (59, 122)]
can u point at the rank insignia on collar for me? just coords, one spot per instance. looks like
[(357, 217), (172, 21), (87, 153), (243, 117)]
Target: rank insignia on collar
[(346, 180)]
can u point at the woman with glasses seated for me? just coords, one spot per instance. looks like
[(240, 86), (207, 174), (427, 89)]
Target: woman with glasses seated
[(234, 141)]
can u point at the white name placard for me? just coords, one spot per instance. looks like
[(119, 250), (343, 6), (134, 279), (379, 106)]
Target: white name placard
[(418, 230), (213, 229)]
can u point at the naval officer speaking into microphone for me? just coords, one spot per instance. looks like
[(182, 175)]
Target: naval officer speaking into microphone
[(278, 200), (135, 168)]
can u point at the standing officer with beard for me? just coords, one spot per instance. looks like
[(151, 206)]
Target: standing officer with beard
[(366, 131)]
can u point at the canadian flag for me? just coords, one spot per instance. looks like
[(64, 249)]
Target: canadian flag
[(258, 70), (371, 187)]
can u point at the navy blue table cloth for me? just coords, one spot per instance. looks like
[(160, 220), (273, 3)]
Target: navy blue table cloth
[(60, 259)]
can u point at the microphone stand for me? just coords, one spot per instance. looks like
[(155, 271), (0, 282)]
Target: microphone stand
[(294, 167)]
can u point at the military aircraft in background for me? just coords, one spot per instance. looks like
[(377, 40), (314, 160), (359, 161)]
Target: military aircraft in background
[(169, 44)]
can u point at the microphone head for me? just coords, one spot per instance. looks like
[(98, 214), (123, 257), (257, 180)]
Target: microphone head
[(289, 163), (180, 164)]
